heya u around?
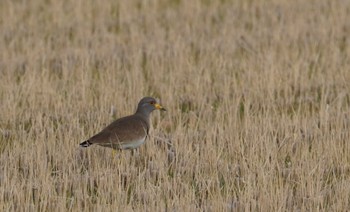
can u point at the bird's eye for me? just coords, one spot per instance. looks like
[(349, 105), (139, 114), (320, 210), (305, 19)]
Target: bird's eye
[(153, 102)]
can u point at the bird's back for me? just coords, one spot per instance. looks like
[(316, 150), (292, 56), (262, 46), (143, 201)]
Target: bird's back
[(124, 130)]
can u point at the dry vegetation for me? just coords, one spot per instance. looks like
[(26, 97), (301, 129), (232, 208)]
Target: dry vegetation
[(257, 94)]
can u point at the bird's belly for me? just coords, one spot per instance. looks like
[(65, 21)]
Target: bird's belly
[(132, 144)]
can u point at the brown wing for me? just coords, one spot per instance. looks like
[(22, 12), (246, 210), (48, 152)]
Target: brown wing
[(122, 130)]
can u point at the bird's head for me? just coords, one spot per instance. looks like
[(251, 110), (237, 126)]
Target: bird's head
[(149, 104)]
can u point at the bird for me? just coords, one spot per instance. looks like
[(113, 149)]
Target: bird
[(128, 132)]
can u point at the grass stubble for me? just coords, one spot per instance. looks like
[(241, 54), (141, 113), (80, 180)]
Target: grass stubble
[(257, 94)]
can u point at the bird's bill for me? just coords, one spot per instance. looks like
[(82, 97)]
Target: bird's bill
[(159, 107)]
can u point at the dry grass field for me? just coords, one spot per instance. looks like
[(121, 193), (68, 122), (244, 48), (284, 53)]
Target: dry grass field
[(257, 93)]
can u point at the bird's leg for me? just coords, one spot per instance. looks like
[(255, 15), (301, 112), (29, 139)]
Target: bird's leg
[(116, 154)]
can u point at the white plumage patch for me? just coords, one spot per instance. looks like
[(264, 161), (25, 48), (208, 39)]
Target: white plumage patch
[(133, 144)]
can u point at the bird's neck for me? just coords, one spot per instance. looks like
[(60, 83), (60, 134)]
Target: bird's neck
[(143, 114)]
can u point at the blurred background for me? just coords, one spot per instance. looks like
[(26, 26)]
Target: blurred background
[(257, 94)]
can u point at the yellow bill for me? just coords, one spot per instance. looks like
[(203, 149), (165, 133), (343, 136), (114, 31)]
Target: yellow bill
[(159, 107)]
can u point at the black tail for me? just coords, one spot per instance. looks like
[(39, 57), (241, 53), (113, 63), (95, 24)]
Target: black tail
[(85, 144)]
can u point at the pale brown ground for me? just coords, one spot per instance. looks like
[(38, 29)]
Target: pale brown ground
[(257, 97)]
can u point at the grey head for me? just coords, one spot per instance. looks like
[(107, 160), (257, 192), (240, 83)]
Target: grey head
[(147, 105)]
